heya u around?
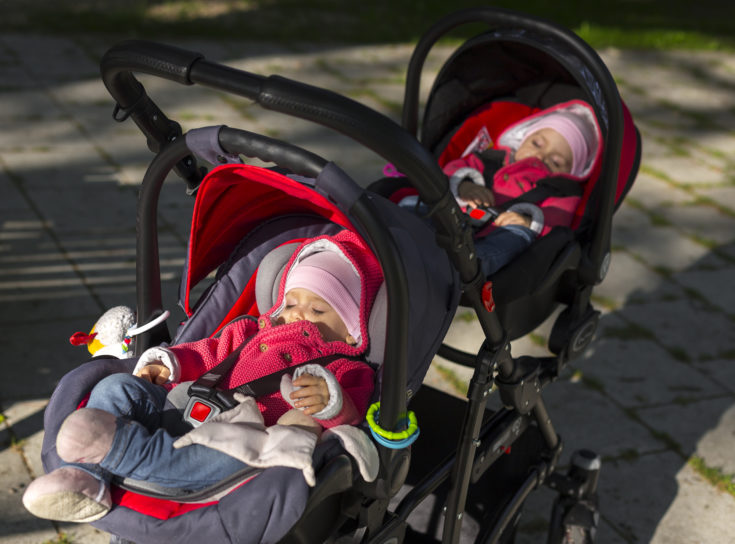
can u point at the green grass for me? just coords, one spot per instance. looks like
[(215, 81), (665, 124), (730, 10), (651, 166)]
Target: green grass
[(715, 476), (650, 24), (458, 384), (63, 538)]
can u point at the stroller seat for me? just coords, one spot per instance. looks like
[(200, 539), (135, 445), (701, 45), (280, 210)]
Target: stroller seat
[(492, 81), (261, 240)]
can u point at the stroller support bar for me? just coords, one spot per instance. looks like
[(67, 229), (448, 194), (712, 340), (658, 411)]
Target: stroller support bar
[(321, 106)]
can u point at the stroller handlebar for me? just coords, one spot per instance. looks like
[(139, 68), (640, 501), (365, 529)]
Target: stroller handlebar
[(321, 106), (276, 93)]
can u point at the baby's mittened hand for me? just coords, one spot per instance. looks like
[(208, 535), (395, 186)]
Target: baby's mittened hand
[(512, 218), (313, 395), (475, 195), (154, 373)]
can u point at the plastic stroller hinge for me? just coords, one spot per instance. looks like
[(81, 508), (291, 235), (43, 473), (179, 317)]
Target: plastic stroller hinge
[(390, 439), (487, 296)]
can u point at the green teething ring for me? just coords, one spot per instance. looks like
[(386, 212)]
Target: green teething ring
[(389, 435)]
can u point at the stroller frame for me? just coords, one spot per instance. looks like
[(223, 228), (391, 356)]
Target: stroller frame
[(519, 381)]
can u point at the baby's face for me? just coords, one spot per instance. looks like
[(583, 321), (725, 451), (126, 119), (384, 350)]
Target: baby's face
[(302, 304), (549, 147)]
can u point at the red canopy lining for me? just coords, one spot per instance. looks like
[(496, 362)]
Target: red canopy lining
[(496, 116), (231, 201)]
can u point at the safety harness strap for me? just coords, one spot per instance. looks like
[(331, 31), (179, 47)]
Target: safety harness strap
[(206, 401)]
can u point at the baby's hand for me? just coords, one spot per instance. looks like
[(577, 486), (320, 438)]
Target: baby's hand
[(475, 195), (313, 396), (512, 218), (154, 373)]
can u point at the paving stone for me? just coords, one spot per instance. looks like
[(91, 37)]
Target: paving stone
[(692, 325), (105, 204), (629, 280), (13, 205), (84, 533), (588, 419), (640, 373), (702, 222), (720, 370), (18, 526), (718, 442), (699, 513), (654, 194), (21, 110), (44, 366), (685, 171), (714, 285), (723, 196), (37, 282), (636, 493), (691, 417), (51, 59), (660, 246), (58, 165)]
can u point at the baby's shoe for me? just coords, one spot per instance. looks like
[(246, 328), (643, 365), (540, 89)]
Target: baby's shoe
[(68, 494), (86, 436)]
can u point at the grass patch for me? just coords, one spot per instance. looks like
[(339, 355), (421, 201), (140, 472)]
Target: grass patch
[(605, 302), (715, 476), (631, 331), (658, 220), (629, 455), (62, 538), (663, 271), (654, 24), (679, 354), (593, 383), (706, 201), (702, 241), (458, 384), (537, 339), (667, 439), (466, 317)]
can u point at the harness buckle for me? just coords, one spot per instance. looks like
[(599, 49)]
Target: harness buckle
[(205, 403), (200, 409)]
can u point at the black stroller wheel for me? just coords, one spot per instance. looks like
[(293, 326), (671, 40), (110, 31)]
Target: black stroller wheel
[(570, 336)]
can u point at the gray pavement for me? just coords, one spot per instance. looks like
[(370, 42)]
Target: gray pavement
[(654, 394)]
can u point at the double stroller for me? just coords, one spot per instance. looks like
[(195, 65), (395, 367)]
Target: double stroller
[(473, 460)]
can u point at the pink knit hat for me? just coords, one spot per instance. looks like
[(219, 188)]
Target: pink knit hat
[(335, 280), (576, 130)]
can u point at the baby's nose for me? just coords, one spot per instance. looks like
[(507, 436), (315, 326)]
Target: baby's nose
[(293, 314)]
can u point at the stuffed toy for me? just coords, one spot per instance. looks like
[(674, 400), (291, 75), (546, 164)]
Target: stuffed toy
[(110, 334)]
